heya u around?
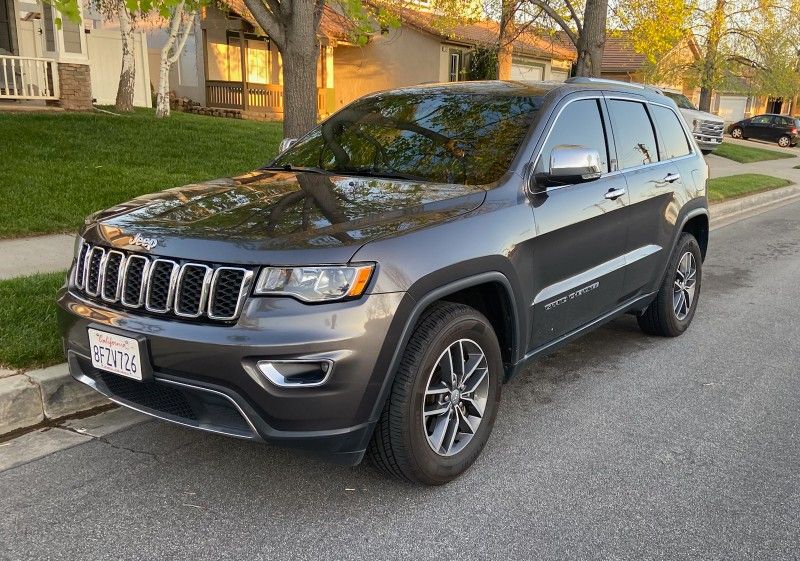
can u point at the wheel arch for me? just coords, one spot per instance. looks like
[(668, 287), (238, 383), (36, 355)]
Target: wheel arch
[(696, 223)]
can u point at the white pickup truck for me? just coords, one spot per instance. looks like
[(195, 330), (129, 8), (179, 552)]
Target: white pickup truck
[(706, 128)]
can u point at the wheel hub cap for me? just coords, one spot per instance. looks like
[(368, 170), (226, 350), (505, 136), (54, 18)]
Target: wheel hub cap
[(683, 294), (455, 397)]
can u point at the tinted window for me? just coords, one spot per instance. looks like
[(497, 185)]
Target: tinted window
[(427, 135), (633, 134), (762, 120), (579, 124), (680, 100), (673, 140)]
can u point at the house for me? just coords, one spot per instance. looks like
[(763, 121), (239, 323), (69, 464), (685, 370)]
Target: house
[(417, 52), (71, 64), (733, 101)]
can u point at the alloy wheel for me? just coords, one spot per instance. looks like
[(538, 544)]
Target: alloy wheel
[(736, 133), (783, 142), (685, 285), (455, 397)]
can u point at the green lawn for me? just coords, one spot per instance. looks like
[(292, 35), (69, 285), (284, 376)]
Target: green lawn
[(28, 332), (58, 167), (748, 154), (733, 186)]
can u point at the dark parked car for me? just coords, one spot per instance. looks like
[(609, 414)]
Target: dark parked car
[(370, 290), (777, 128)]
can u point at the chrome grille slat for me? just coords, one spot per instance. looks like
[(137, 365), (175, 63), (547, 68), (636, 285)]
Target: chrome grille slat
[(113, 266), (185, 290), (161, 286), (94, 270)]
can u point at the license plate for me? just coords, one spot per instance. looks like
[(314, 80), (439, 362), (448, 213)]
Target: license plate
[(116, 354)]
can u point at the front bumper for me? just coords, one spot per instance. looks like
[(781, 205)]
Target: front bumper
[(706, 142), (204, 375)]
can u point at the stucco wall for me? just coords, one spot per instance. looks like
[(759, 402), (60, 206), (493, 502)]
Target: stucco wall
[(403, 57)]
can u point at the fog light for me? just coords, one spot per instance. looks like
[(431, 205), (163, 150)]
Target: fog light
[(296, 373)]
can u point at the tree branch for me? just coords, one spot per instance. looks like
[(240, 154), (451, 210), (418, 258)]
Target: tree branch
[(558, 19), (574, 16), (269, 21)]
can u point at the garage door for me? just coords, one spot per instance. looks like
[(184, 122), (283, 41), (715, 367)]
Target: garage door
[(521, 71), (732, 107)]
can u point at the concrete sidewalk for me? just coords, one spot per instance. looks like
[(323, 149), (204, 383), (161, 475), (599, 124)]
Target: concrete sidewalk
[(39, 254)]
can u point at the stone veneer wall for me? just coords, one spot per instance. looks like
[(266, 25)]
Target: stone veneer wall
[(75, 86)]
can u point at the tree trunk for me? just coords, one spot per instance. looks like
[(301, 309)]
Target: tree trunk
[(708, 74), (127, 75), (170, 53), (592, 40), (300, 59), (505, 41)]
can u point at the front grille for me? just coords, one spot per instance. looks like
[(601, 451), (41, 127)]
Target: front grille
[(711, 128), (158, 397), (161, 286)]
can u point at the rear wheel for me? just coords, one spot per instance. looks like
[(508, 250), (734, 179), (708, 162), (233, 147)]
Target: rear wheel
[(784, 142), (672, 311), (444, 399), (737, 132)]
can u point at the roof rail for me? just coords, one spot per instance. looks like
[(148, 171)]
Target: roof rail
[(588, 80)]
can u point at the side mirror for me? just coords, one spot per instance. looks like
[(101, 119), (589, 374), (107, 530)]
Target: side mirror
[(574, 163), (285, 144)]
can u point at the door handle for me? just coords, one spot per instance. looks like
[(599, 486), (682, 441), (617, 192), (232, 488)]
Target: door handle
[(672, 177), (614, 194)]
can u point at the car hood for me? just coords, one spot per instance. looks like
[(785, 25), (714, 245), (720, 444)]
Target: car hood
[(277, 217), (692, 114)]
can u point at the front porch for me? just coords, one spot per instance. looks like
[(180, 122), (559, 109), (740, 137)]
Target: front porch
[(244, 70)]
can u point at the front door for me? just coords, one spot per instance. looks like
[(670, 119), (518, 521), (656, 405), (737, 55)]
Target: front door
[(6, 38), (758, 127), (581, 231)]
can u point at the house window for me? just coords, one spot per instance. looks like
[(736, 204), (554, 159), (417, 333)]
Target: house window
[(5, 28), (49, 28), (72, 35)]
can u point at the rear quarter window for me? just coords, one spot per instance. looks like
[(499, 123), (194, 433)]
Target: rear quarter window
[(674, 143)]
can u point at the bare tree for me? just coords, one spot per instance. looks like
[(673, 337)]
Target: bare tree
[(181, 24)]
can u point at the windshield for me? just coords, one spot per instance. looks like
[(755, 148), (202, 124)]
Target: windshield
[(424, 135), (681, 100)]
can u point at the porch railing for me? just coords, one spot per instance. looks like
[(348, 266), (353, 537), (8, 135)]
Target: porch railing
[(260, 97), (28, 78)]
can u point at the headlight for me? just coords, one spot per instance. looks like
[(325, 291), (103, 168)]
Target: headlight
[(696, 125), (314, 284)]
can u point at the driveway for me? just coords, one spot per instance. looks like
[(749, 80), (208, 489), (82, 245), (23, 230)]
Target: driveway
[(619, 446)]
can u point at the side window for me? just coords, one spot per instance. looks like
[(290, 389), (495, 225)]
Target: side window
[(633, 133), (761, 120), (674, 141), (579, 124)]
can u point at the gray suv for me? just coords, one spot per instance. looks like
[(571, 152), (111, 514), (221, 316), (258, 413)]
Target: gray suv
[(370, 290)]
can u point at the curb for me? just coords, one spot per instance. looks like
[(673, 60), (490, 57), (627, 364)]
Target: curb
[(30, 398), (728, 212)]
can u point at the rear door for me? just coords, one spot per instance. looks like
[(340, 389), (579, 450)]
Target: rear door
[(652, 146), (581, 229)]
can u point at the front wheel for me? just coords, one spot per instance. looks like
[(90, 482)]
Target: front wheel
[(672, 311), (737, 132), (443, 403)]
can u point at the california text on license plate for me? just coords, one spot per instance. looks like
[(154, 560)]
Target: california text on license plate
[(115, 353)]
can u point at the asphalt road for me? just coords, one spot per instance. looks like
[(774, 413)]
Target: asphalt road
[(619, 446)]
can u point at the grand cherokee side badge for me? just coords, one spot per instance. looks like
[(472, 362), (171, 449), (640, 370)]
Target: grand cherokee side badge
[(147, 243)]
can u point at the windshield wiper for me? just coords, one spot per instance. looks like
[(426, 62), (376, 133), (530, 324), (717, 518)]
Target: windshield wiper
[(383, 174), (290, 167)]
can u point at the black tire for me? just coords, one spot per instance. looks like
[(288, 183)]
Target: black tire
[(738, 132), (706, 152), (660, 318), (399, 445)]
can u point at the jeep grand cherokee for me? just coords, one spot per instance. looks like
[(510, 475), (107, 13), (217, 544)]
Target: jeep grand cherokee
[(370, 290)]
